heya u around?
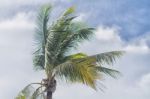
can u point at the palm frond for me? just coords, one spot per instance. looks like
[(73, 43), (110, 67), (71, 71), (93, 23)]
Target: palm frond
[(57, 33), (26, 93), (38, 94), (87, 69), (111, 72), (42, 22), (41, 36), (30, 92), (74, 72), (69, 11), (74, 36), (107, 57), (77, 56), (103, 58), (38, 62)]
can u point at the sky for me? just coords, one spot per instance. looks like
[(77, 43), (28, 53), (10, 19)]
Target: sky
[(120, 25)]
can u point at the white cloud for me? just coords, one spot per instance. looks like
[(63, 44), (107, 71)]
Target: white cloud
[(20, 21), (17, 28), (113, 39), (139, 45), (144, 82), (108, 38), (81, 17), (107, 33), (142, 48)]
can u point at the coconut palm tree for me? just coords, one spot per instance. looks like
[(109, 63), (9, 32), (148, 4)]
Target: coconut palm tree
[(54, 42)]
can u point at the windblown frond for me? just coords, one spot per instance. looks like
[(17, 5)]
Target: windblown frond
[(42, 25), (106, 57), (57, 33), (69, 11), (41, 36), (38, 94), (30, 92), (74, 72), (111, 72), (74, 37), (26, 93), (86, 69), (39, 61), (77, 56)]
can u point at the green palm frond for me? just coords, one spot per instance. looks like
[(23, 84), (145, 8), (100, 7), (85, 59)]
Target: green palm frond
[(41, 36), (104, 58), (69, 11), (39, 61), (20, 97), (75, 36), (38, 94), (101, 59), (77, 56), (86, 69), (111, 72), (74, 72), (26, 93), (107, 57), (30, 92), (57, 33), (42, 25), (72, 36)]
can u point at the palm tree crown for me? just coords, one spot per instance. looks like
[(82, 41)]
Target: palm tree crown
[(54, 41)]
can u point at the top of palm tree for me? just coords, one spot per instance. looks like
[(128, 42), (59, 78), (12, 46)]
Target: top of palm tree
[(55, 40)]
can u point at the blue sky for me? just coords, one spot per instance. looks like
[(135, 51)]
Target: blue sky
[(121, 25)]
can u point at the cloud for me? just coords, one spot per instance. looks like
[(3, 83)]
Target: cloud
[(20, 21), (107, 33), (81, 17), (111, 36), (144, 82), (108, 38), (142, 48), (17, 28)]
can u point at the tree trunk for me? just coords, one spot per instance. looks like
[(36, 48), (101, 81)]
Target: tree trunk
[(51, 87), (49, 95)]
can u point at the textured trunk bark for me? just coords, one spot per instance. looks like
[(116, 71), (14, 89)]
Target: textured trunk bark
[(49, 95), (50, 87)]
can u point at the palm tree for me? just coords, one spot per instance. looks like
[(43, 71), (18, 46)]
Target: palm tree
[(54, 42)]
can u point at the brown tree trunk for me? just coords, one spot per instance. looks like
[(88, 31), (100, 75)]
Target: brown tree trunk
[(49, 95), (51, 87)]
